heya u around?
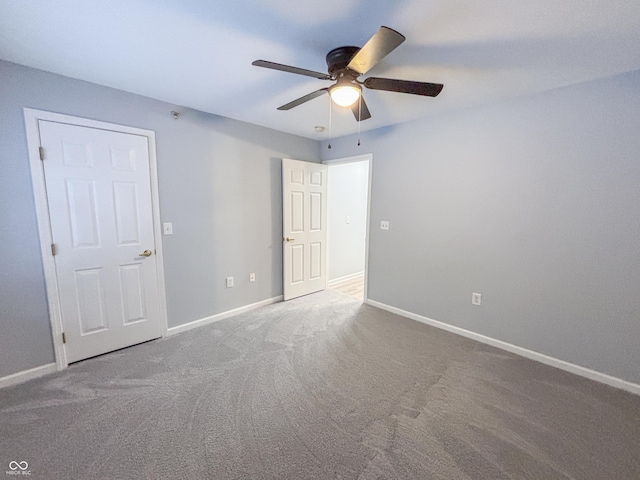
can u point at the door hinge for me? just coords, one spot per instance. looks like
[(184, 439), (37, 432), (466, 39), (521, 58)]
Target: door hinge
[(64, 338), (54, 251), (41, 150)]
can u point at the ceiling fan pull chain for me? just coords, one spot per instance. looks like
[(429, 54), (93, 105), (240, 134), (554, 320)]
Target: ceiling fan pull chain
[(330, 130), (359, 115)]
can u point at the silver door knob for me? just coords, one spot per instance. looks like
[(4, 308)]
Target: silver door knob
[(289, 239), (146, 253)]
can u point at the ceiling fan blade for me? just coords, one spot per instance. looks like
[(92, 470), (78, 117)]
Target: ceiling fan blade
[(404, 86), (306, 98), (287, 68), (361, 111), (383, 42)]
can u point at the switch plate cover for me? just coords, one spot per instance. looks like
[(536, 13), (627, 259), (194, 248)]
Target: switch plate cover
[(476, 298)]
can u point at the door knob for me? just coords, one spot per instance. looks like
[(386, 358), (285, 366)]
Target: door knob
[(289, 239), (146, 253)]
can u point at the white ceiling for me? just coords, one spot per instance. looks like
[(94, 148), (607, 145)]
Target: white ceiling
[(198, 53)]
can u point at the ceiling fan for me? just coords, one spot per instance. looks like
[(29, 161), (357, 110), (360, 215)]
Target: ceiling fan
[(346, 64)]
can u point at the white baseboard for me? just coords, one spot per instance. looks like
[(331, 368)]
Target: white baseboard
[(25, 375), (523, 352), (333, 282), (221, 316)]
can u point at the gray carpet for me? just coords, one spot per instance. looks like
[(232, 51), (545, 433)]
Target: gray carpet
[(320, 387)]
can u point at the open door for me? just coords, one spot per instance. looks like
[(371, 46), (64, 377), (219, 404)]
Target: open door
[(304, 188)]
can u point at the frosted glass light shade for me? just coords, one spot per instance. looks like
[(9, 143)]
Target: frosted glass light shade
[(344, 95)]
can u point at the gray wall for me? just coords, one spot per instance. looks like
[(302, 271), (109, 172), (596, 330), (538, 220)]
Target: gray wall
[(534, 203), (220, 185), (347, 196)]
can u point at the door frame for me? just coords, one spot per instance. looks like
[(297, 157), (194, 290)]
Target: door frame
[(31, 119), (368, 157)]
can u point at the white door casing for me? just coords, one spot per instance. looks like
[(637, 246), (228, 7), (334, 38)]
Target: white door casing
[(102, 215), (304, 187)]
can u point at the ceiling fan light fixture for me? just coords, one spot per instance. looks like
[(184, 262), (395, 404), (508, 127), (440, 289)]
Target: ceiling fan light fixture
[(344, 94)]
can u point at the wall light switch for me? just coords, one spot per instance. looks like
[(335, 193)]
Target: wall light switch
[(167, 228), (384, 225), (348, 219), (252, 277)]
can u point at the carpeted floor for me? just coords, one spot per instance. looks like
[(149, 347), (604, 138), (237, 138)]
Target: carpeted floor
[(320, 387)]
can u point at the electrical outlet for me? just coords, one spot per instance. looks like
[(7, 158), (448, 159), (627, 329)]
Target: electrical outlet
[(252, 277), (229, 282), (476, 298), (384, 225), (167, 228)]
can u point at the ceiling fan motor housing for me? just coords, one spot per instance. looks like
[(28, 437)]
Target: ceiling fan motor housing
[(339, 58)]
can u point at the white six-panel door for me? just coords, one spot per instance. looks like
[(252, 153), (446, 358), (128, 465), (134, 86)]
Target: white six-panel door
[(99, 196), (304, 186)]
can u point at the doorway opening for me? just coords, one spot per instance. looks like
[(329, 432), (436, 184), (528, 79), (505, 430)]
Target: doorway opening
[(348, 201)]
